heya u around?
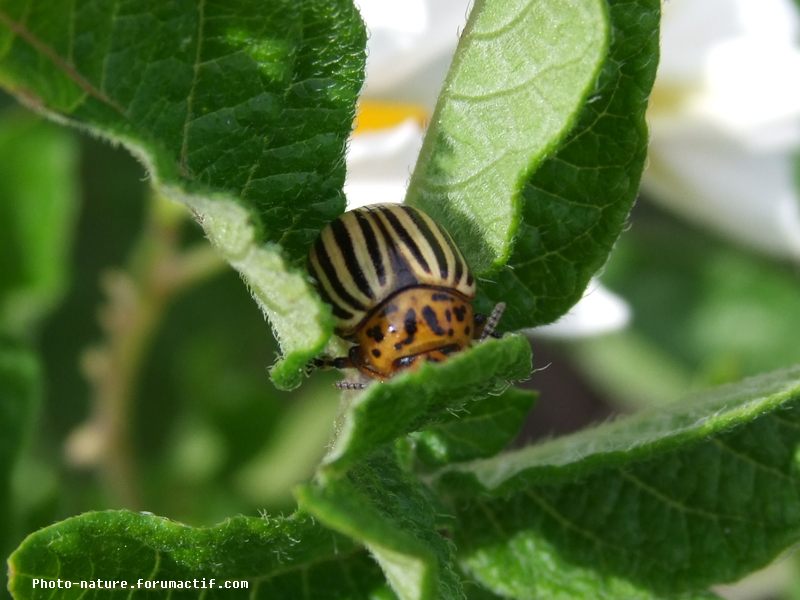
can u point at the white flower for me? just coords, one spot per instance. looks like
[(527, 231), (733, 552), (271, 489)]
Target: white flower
[(600, 311), (725, 120), (408, 54), (379, 163)]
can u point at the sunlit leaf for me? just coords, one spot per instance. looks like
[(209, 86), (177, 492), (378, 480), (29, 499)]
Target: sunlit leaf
[(277, 557), (665, 502)]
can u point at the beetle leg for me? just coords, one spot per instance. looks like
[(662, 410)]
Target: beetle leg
[(340, 362), (344, 384), (492, 321), (327, 362)]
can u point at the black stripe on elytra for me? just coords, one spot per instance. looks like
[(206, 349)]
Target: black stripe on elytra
[(326, 297), (402, 232), (345, 244), (432, 239), (459, 269), (430, 318), (340, 312), (399, 265), (372, 246), (332, 277)]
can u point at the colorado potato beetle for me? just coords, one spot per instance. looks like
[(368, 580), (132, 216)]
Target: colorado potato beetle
[(399, 288)]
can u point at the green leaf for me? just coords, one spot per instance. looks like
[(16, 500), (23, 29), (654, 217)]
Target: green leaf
[(240, 110), (19, 398), (389, 511), (664, 502), (480, 430), (518, 80), (577, 201), (38, 197), (474, 591), (411, 401), (278, 557)]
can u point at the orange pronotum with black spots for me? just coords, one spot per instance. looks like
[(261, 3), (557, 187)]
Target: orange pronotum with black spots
[(398, 286)]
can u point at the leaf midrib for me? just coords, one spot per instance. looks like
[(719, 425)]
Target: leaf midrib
[(65, 67)]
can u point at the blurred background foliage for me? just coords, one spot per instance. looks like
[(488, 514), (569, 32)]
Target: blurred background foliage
[(209, 435), (194, 430)]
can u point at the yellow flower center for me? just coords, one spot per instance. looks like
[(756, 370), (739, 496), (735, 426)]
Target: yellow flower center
[(374, 115), (668, 99)]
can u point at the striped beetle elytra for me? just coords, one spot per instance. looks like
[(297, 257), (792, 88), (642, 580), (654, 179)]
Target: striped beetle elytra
[(399, 288)]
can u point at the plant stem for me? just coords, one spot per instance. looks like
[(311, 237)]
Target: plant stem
[(137, 299)]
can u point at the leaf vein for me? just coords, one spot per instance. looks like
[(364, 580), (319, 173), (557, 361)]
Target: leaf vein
[(184, 167), (430, 186), (107, 54), (553, 512), (68, 69), (786, 422), (492, 34), (748, 459), (529, 83), (672, 502)]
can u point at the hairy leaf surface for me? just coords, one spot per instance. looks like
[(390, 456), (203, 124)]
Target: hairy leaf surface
[(389, 511), (278, 557), (481, 429), (669, 501), (411, 401)]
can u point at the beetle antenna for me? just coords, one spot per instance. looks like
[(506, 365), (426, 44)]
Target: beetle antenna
[(493, 320)]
